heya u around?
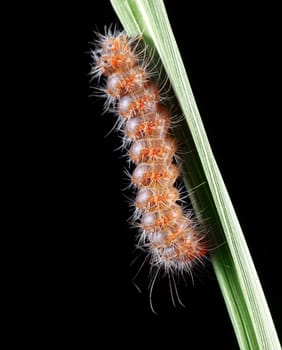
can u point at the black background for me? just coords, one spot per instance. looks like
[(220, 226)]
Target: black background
[(231, 55)]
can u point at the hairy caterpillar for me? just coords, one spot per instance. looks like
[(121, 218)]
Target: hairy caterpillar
[(167, 232)]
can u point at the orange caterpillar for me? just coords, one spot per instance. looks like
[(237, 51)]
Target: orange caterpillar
[(169, 235)]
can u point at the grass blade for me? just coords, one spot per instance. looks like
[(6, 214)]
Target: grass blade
[(232, 261)]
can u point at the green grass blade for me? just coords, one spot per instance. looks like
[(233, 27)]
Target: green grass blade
[(232, 261)]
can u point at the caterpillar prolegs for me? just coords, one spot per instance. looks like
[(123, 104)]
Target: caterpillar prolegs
[(167, 232)]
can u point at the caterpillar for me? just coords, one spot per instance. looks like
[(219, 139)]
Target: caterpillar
[(166, 231)]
